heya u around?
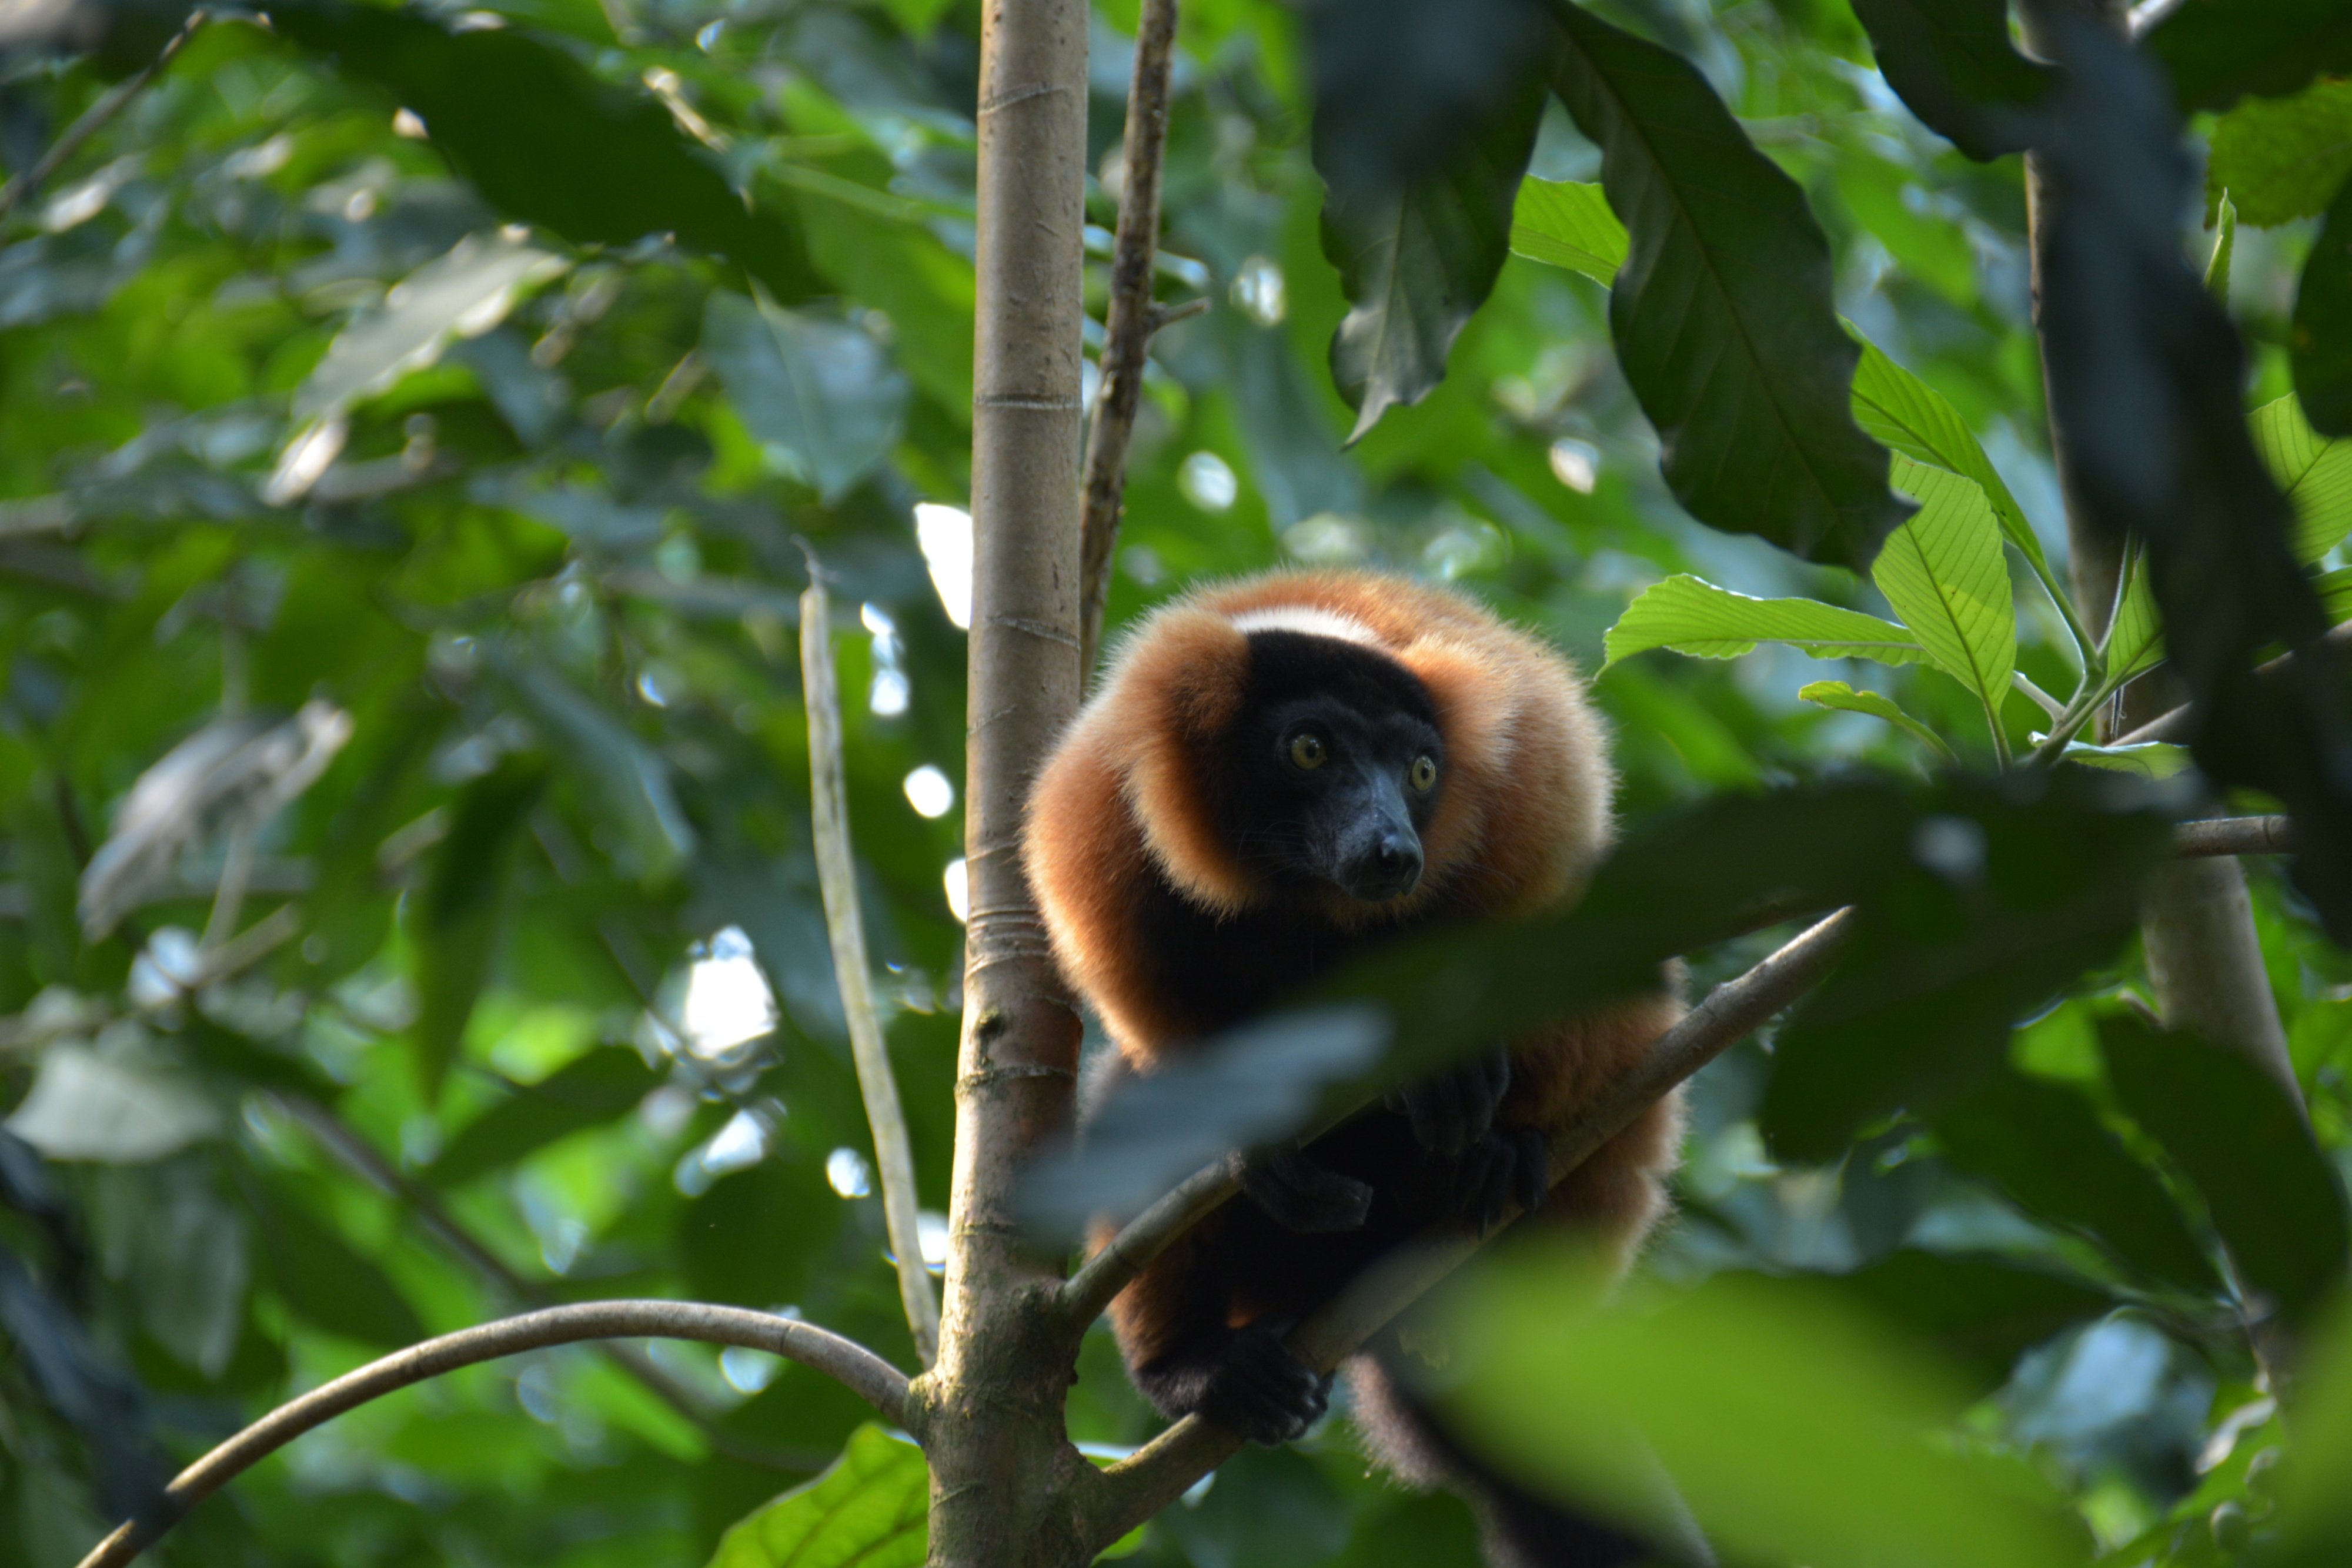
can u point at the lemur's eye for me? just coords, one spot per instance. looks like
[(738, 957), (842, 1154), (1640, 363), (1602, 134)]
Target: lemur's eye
[(1424, 774), (1308, 752)]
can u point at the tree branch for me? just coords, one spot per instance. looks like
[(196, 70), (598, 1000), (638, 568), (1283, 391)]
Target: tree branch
[(1162, 1470), (93, 121), (362, 1158), (2173, 723), (2233, 836), (1130, 322), (857, 1368), (894, 1155), (1112, 1270)]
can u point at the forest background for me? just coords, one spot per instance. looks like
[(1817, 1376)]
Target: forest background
[(418, 427)]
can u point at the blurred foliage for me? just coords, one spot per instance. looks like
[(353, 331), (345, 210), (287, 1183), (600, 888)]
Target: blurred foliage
[(410, 425)]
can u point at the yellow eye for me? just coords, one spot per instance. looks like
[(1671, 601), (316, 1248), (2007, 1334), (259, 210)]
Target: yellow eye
[(1306, 751), (1424, 774)]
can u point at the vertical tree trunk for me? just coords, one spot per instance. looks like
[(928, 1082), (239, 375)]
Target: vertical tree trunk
[(2197, 922), (1002, 1470)]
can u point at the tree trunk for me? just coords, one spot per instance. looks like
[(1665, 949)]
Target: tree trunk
[(1004, 1475)]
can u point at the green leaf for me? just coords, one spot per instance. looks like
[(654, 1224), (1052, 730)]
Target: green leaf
[(1564, 224), (2280, 158), (1694, 617), (458, 920), (2316, 472), (1944, 573), (545, 141), (591, 1090), (1912, 417), (2150, 759), (1838, 694), (822, 397), (2225, 243), (2236, 1134), (324, 1281), (2320, 341), (1417, 259), (1952, 63), (624, 777), (2315, 1516), (1722, 314), (867, 1511), (1982, 1312), (2043, 1146), (2136, 636), (2220, 51), (2335, 590), (901, 268), (1773, 1408)]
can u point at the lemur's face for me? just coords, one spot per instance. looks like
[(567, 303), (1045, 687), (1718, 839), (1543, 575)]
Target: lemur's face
[(1333, 768)]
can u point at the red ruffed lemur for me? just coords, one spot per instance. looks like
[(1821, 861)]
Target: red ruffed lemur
[(1276, 773)]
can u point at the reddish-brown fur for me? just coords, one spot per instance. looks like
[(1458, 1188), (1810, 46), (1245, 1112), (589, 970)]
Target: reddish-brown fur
[(1118, 818)]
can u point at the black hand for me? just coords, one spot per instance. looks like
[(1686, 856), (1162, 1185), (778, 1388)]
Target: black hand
[(1299, 1195), (1510, 1164), (1262, 1391), (1452, 1112)]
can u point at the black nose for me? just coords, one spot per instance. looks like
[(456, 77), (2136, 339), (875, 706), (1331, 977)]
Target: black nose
[(1390, 869)]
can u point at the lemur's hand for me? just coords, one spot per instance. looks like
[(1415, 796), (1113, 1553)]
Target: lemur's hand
[(1452, 1112), (1264, 1392), (1302, 1196)]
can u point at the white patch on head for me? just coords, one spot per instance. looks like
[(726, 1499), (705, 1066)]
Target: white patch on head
[(1307, 621)]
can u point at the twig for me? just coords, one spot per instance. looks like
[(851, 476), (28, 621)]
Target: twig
[(2233, 836), (1130, 322), (894, 1155), (859, 1370), (363, 1160), (1112, 1270), (2173, 723), (1162, 1470), (94, 120)]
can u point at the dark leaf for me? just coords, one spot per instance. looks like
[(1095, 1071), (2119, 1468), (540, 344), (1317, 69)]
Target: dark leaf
[(1425, 113), (2042, 1146), (546, 143), (2322, 343), (822, 397), (2233, 1132), (627, 781), (457, 917), (325, 1283), (2220, 51), (99, 1400), (1722, 313), (2145, 373), (586, 1092), (1952, 63), (752, 1238)]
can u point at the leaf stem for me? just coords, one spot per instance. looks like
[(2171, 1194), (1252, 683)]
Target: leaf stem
[(2041, 699), (894, 1155)]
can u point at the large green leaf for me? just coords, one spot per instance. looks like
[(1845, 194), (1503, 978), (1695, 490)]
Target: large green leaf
[(2136, 636), (1840, 695), (586, 1092), (627, 779), (1565, 223), (2315, 1519), (1774, 1410), (2321, 337), (822, 398), (456, 922), (1913, 418), (1981, 1311), (324, 1281), (869, 1510), (546, 143), (2220, 51), (1952, 64), (2235, 1133), (1417, 258), (1722, 312), (2281, 159), (1944, 573), (2042, 1146), (1694, 617), (2316, 472)]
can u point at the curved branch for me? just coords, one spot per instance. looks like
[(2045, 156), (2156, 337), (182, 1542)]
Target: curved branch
[(1160, 1471), (894, 1154), (1089, 1290), (854, 1366), (2233, 836), (1128, 324)]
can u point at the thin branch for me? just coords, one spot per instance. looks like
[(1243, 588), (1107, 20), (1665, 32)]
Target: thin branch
[(362, 1159), (1130, 322), (2173, 723), (2233, 836), (894, 1154), (1160, 1471), (1112, 1270), (854, 1366), (93, 121)]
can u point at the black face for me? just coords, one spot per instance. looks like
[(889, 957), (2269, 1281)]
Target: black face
[(1333, 768)]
